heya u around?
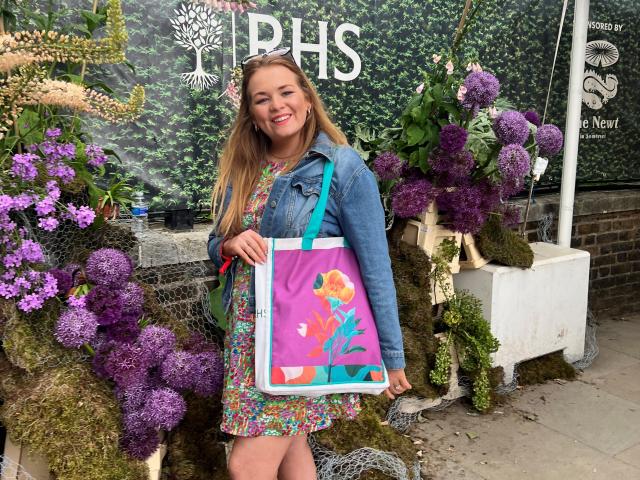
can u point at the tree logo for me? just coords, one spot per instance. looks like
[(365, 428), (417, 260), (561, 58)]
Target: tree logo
[(197, 28)]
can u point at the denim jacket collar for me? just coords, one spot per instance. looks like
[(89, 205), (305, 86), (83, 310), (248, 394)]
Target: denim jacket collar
[(324, 146)]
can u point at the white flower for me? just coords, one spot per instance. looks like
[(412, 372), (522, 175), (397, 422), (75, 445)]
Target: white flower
[(449, 66), (420, 88), (436, 58), (302, 329)]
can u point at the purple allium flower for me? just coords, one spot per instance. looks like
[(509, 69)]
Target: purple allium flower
[(388, 166), (532, 117), (157, 343), (197, 343), (164, 408), (24, 166), (53, 133), (514, 164), (102, 349), (105, 303), (179, 370), (482, 90), (126, 364), (451, 169), (511, 127), (132, 298), (64, 279), (464, 208), (210, 372), (452, 138), (412, 197), (108, 266), (510, 215), (126, 330), (140, 444), (549, 139), (75, 327)]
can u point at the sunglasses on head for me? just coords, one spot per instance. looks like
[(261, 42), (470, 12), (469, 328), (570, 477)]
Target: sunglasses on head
[(276, 52)]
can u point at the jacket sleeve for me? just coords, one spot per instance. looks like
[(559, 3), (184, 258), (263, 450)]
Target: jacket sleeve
[(362, 221), (215, 240)]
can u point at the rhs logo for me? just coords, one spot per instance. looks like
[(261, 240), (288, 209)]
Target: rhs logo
[(198, 27)]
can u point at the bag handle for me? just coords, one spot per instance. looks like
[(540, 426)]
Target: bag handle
[(313, 229)]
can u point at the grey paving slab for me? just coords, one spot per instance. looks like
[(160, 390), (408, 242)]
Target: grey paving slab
[(621, 335), (585, 413), (630, 456), (623, 383), (607, 362), (512, 447)]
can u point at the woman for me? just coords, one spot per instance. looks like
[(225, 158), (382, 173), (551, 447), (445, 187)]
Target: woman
[(274, 160)]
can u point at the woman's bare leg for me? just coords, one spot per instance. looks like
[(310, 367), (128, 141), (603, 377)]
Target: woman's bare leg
[(298, 463), (258, 458)]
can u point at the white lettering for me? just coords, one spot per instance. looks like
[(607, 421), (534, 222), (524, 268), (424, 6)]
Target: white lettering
[(348, 51), (255, 44), (321, 48)]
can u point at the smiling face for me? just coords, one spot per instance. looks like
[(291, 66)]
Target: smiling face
[(278, 106)]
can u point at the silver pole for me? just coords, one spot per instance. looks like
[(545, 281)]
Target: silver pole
[(572, 128)]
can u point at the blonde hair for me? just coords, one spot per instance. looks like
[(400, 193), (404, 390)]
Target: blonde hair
[(240, 162)]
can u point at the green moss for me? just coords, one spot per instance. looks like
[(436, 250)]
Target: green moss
[(411, 267), (547, 367), (195, 448), (502, 245), (70, 417), (367, 430)]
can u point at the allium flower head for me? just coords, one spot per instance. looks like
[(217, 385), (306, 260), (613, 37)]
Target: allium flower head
[(482, 90), (126, 330), (514, 164), (164, 408), (132, 296), (126, 364), (411, 197), (549, 139), (532, 117), (210, 372), (452, 138), (75, 327), (451, 169), (511, 127), (109, 266), (157, 343), (65, 282), (139, 439), (464, 208), (388, 166), (106, 303), (179, 370)]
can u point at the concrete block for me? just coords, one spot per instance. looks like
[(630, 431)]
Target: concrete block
[(534, 311)]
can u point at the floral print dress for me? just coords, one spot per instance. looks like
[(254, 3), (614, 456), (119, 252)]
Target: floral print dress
[(248, 412)]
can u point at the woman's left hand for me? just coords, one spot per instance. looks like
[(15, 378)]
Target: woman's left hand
[(398, 383)]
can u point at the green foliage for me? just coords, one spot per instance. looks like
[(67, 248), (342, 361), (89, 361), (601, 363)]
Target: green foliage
[(501, 245)]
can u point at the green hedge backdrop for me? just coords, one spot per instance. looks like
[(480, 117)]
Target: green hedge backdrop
[(173, 147)]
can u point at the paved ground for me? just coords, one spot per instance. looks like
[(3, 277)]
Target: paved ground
[(586, 429)]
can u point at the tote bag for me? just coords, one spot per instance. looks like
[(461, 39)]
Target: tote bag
[(315, 331)]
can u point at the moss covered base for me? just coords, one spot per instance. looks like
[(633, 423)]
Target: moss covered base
[(542, 369), (504, 246)]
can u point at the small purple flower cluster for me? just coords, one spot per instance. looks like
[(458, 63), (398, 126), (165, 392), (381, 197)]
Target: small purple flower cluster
[(482, 89), (149, 371), (95, 155), (388, 166), (44, 162)]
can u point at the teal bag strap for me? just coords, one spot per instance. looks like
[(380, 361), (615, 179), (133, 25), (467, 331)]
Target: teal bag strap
[(313, 229)]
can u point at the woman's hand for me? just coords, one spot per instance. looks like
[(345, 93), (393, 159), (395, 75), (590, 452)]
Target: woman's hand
[(248, 245), (398, 383)]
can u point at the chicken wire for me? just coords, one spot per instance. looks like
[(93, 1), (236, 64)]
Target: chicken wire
[(333, 466), (11, 470)]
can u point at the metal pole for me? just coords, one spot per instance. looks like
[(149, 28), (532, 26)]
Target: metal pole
[(572, 127)]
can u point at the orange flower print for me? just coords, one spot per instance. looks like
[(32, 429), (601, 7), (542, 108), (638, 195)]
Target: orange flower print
[(320, 328), (334, 289)]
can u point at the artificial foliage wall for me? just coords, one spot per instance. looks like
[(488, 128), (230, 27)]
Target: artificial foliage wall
[(371, 56)]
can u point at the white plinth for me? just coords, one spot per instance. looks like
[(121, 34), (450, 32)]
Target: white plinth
[(534, 311)]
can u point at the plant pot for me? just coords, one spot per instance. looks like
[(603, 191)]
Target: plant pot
[(179, 219), (109, 211)]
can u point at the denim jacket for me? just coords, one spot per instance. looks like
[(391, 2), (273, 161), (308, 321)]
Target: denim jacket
[(353, 210)]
